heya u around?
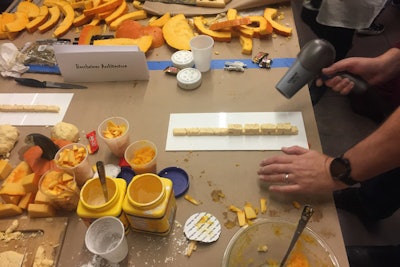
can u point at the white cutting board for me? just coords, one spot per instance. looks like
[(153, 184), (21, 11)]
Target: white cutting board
[(243, 142), (35, 118)]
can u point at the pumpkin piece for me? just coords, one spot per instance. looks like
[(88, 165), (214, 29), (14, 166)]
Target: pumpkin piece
[(12, 185), (241, 216), (55, 14), (269, 15), (11, 199), (135, 15), (82, 20), (29, 8), (247, 45), (121, 10), (5, 19), (34, 24), (129, 29), (7, 210), (65, 25), (95, 21), (160, 22), (156, 33), (86, 4), (231, 14), (19, 24), (263, 28), (230, 23), (104, 14), (26, 200), (3, 34), (87, 33), (137, 4), (221, 36), (109, 5), (177, 32), (5, 169), (41, 210), (144, 42)]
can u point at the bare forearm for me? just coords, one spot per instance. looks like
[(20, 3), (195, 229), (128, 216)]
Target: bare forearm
[(377, 153)]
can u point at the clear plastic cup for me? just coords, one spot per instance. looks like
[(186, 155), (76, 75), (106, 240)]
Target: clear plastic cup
[(105, 237), (142, 156), (117, 145), (61, 189), (201, 46), (82, 169)]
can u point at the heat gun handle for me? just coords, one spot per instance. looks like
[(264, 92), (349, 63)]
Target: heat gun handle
[(360, 85)]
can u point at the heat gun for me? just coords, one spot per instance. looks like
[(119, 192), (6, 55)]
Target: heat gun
[(312, 58)]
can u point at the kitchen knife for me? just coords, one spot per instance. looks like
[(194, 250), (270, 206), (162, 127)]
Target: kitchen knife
[(202, 3), (46, 84)]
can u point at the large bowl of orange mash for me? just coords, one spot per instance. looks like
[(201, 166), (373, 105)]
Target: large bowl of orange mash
[(265, 242)]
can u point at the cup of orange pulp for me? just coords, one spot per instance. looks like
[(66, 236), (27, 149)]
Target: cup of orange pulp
[(142, 156)]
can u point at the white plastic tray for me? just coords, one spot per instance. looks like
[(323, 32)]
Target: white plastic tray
[(243, 142)]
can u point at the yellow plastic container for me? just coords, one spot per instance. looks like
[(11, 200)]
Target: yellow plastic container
[(150, 204), (92, 204)]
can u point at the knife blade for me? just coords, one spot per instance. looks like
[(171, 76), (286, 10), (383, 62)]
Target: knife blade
[(47, 84), (201, 3)]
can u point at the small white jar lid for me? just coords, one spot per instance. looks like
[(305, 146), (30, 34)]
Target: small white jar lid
[(189, 78), (182, 59)]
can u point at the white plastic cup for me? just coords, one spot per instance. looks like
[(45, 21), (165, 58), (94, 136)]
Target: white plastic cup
[(118, 144), (82, 171), (132, 149), (201, 46), (105, 237)]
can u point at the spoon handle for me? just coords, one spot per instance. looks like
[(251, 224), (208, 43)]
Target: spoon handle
[(102, 176), (308, 211)]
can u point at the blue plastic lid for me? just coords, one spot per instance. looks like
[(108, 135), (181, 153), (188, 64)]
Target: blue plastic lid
[(179, 178), (126, 173)]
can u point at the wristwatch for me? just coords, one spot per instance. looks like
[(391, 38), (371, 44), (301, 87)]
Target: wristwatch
[(340, 169)]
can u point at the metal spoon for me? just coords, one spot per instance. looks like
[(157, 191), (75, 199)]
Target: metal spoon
[(102, 176), (308, 211)]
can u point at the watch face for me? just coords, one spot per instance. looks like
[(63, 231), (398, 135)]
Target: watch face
[(339, 168)]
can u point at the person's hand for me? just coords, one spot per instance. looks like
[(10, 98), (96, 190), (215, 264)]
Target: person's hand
[(298, 170), (373, 70)]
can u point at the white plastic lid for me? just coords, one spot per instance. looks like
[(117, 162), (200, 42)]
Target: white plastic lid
[(189, 78), (182, 59)]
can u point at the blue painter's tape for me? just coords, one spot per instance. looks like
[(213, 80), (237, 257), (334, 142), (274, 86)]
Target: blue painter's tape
[(220, 63)]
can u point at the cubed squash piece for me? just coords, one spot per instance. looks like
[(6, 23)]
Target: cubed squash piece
[(26, 200), (41, 210), (5, 169), (7, 210), (41, 198), (29, 183), (11, 199)]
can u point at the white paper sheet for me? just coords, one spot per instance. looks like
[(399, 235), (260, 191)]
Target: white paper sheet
[(243, 142), (40, 118)]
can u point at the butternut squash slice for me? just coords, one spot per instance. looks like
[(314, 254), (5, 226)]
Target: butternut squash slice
[(34, 24), (177, 32), (55, 14), (31, 9), (262, 29), (160, 22), (121, 10), (69, 16), (87, 32), (135, 15), (247, 44), (221, 36), (19, 24), (230, 23), (82, 20), (109, 5), (270, 14)]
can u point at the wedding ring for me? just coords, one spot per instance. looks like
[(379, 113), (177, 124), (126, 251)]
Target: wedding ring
[(286, 178)]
